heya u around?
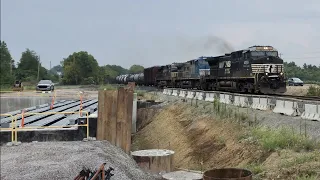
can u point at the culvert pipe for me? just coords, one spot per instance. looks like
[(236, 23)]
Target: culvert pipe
[(154, 160), (227, 174)]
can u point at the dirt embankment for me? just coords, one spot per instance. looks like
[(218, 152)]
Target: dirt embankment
[(201, 142), (299, 90)]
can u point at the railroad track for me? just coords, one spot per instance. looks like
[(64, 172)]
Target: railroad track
[(309, 98)]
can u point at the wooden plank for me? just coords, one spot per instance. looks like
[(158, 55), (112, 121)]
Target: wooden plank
[(112, 117), (121, 117), (129, 99), (100, 128)]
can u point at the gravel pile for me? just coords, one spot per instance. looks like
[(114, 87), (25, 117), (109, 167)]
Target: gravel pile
[(64, 160)]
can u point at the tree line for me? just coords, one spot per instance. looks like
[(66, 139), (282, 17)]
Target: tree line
[(78, 68), (308, 73), (82, 68)]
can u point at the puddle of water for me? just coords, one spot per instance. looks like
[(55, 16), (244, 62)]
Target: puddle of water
[(9, 104)]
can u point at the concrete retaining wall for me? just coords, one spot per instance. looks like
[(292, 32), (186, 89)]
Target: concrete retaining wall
[(291, 107)]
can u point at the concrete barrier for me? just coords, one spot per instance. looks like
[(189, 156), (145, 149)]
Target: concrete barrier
[(311, 112), (241, 101), (165, 91), (169, 92), (134, 113), (225, 98), (260, 103), (175, 92), (289, 108), (209, 96), (190, 94), (183, 93), (199, 95)]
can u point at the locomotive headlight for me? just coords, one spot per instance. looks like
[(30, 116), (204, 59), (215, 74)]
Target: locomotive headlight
[(281, 73), (266, 74)]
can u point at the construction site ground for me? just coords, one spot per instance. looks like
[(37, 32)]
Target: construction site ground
[(203, 139)]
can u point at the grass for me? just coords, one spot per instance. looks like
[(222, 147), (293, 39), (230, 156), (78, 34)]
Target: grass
[(140, 92), (9, 88), (255, 168), (282, 138), (313, 91), (304, 158), (308, 177)]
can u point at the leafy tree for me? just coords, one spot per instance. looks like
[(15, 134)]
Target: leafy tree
[(28, 66), (136, 69), (78, 67), (308, 72), (56, 69), (118, 69), (6, 65)]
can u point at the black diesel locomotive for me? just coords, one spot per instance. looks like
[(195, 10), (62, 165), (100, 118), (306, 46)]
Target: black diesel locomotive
[(258, 69)]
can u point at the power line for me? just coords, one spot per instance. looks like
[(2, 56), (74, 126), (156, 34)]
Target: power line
[(301, 57)]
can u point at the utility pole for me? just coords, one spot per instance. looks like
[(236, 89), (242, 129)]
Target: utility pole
[(11, 64), (50, 65), (38, 68), (280, 54)]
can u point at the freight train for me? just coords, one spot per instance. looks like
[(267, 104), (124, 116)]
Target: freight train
[(256, 70)]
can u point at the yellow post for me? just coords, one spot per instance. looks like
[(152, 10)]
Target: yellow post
[(87, 124), (15, 129)]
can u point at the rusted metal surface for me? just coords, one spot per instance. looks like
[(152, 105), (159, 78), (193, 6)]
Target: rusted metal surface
[(154, 160), (100, 174), (227, 174)]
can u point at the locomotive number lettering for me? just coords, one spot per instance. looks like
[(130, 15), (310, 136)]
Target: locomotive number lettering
[(228, 63), (270, 68)]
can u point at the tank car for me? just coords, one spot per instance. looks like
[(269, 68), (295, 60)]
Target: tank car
[(258, 69)]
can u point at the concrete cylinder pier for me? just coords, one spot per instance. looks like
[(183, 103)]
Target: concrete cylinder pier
[(154, 160), (227, 173), (182, 175)]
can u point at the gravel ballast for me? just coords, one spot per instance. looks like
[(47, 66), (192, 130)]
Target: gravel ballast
[(64, 160)]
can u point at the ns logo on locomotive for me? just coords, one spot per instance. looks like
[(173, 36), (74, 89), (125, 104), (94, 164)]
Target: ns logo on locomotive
[(257, 69)]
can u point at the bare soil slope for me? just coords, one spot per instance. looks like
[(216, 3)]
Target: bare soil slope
[(201, 142)]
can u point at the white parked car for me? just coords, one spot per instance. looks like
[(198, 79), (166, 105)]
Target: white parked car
[(45, 85)]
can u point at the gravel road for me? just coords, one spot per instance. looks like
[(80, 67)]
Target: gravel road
[(64, 160)]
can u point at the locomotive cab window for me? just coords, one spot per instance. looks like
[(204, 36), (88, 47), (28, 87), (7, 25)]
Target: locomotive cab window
[(264, 53)]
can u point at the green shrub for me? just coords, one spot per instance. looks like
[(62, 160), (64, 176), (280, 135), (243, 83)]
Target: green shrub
[(313, 91)]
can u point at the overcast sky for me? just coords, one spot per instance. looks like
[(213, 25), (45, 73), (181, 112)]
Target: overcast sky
[(157, 32)]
